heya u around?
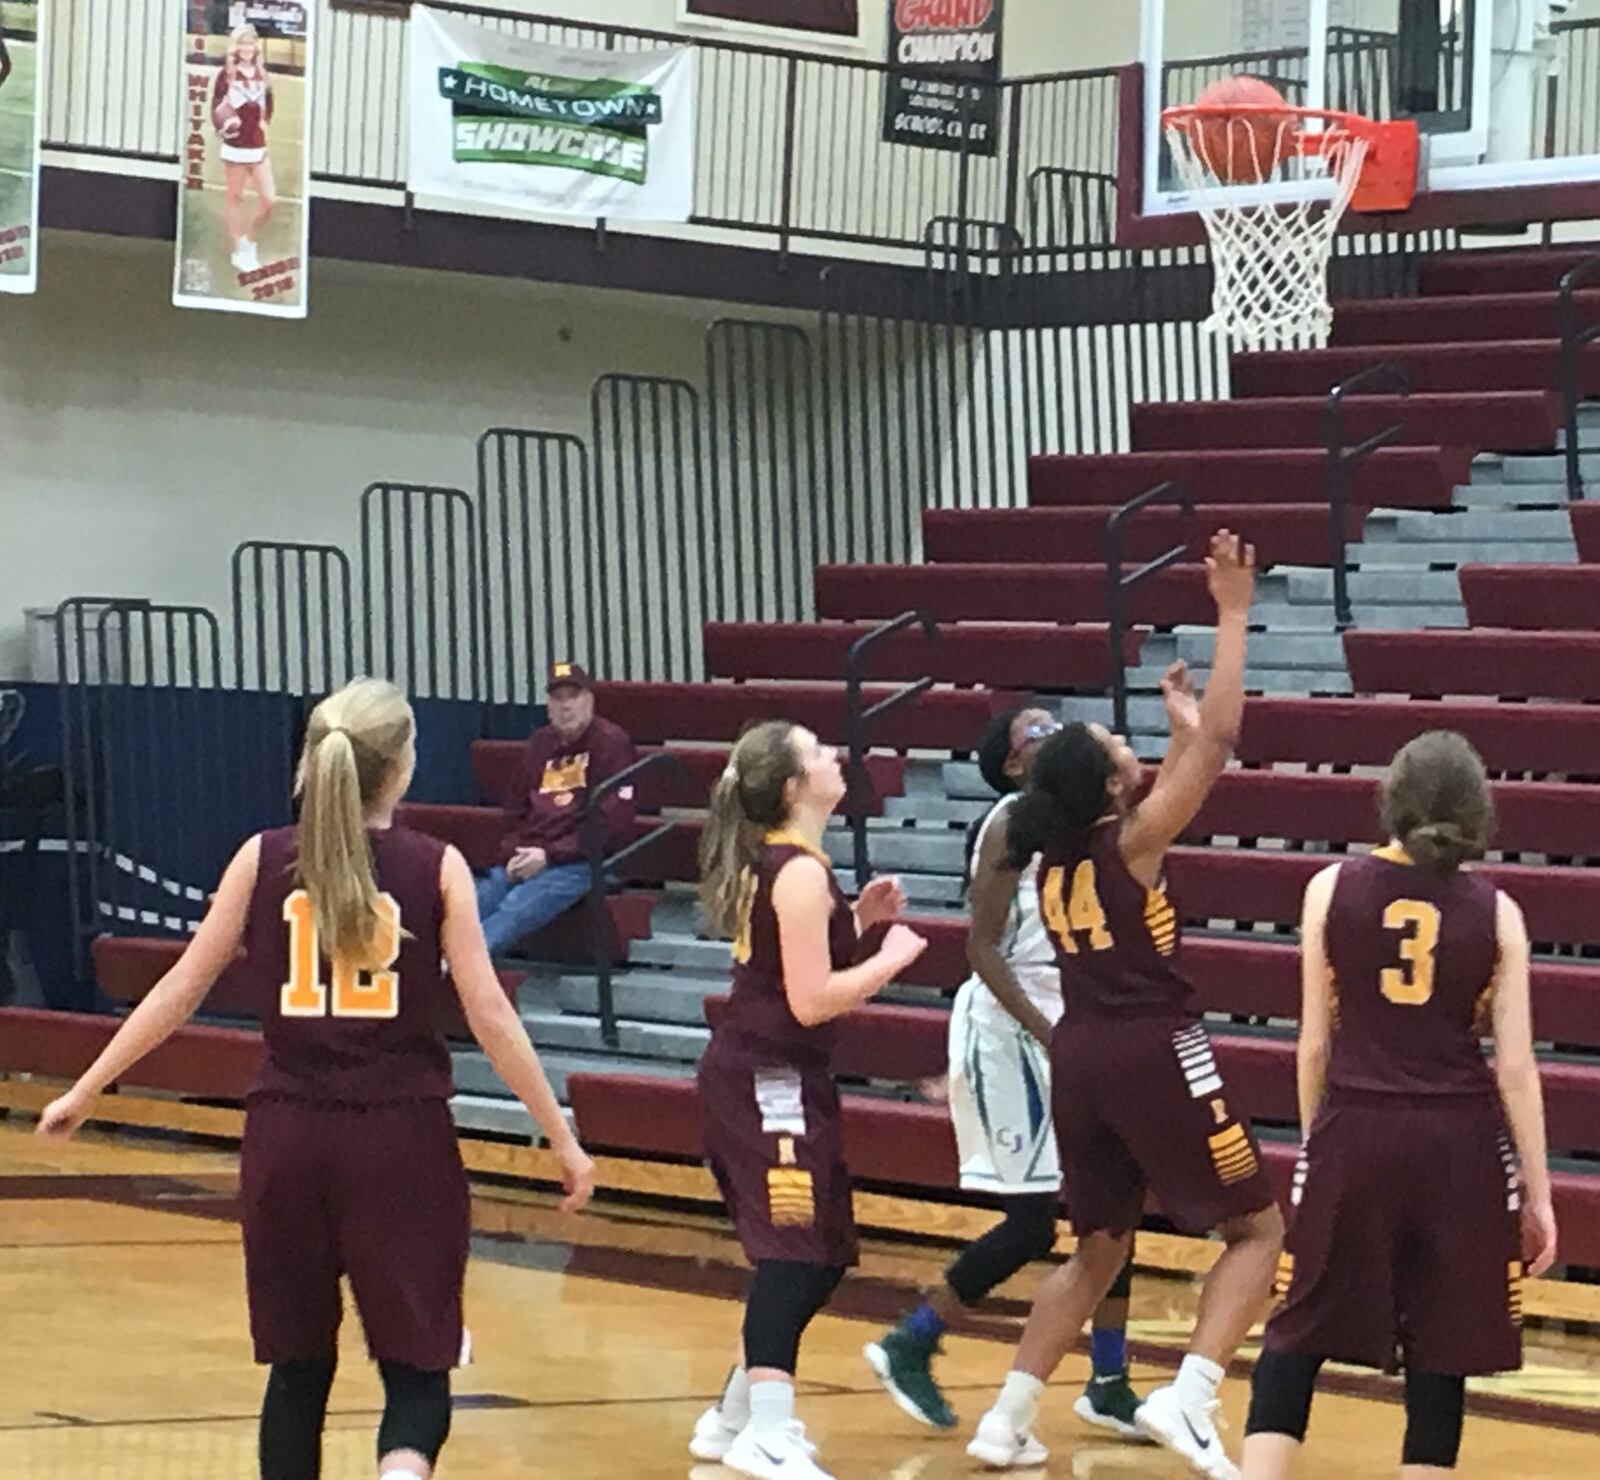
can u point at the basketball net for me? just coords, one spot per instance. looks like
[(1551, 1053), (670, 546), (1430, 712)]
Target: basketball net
[(1269, 261)]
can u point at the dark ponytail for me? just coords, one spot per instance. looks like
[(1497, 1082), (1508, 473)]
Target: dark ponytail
[(1436, 802), (1066, 795)]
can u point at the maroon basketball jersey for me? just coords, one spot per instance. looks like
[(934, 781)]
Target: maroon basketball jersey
[(333, 1033), (1413, 957), (1117, 941), (758, 1017)]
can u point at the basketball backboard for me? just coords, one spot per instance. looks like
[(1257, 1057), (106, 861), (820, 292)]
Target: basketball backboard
[(1475, 74)]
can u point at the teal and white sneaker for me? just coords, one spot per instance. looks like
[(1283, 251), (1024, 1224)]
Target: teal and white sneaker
[(904, 1365), (1109, 1402)]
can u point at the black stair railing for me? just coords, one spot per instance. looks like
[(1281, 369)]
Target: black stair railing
[(858, 723), (1118, 586), (1576, 337), (1341, 458), (602, 868)]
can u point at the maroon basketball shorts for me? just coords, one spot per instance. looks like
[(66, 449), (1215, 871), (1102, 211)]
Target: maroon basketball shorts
[(1404, 1238), (776, 1148), (1140, 1108), (377, 1194)]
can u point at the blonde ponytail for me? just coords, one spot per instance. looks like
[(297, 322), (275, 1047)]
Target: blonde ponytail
[(354, 742), (748, 799)]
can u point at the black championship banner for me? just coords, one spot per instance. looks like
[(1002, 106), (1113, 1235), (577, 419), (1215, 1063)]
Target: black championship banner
[(951, 44)]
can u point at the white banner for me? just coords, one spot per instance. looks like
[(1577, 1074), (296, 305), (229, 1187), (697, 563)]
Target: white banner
[(244, 204), (21, 108), (503, 121)]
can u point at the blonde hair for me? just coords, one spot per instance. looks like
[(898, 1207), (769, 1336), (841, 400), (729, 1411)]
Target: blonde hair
[(354, 742), (236, 38), (748, 799)]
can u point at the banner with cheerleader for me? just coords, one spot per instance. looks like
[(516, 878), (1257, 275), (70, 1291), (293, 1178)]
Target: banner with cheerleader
[(21, 83), (503, 121), (244, 205)]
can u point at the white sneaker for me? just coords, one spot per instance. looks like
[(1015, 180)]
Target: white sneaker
[(238, 259), (775, 1454), (1001, 1447), (251, 254), (1190, 1431), (712, 1437)]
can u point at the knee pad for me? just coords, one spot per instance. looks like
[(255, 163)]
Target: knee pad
[(1435, 1407), (784, 1296), (1280, 1394), (416, 1410), (292, 1414)]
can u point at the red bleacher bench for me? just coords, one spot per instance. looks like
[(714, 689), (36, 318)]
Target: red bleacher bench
[(1507, 665)]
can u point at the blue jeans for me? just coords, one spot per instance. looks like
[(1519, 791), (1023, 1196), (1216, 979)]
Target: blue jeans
[(510, 911)]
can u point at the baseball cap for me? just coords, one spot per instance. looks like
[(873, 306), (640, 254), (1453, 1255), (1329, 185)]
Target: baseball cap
[(565, 674)]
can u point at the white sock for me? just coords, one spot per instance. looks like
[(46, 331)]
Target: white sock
[(1198, 1380), (1020, 1396), (771, 1405), (401, 1475), (734, 1404)]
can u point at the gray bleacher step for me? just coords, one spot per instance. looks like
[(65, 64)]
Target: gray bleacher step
[(687, 952), (1379, 587), (1287, 681), (500, 1114), (1510, 495), (475, 1075), (566, 1030), (645, 995), (1420, 555), (1548, 469), (1468, 526), (930, 892), (906, 852), (939, 809), (1267, 650)]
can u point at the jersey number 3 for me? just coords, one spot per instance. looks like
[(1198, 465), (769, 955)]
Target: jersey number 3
[(356, 994), (1081, 914), (1411, 983)]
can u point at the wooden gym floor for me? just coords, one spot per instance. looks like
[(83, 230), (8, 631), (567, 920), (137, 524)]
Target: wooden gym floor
[(124, 1353)]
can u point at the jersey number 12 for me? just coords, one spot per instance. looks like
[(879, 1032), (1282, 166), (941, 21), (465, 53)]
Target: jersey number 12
[(374, 993)]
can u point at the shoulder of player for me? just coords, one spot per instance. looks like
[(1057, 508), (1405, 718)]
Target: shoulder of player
[(801, 876)]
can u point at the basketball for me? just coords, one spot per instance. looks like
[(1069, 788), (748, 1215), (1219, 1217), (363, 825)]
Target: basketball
[(1247, 148)]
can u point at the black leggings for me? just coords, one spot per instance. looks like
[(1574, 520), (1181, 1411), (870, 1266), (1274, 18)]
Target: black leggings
[(416, 1415), (1026, 1233), (784, 1296)]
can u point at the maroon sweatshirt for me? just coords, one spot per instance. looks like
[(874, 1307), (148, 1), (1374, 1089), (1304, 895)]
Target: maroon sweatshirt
[(545, 807)]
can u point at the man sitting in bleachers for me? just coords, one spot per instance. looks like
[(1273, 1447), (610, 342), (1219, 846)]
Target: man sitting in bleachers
[(544, 869)]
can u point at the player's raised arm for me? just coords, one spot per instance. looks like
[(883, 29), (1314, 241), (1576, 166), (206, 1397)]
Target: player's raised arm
[(172, 1001), (1212, 731), (499, 1030), (803, 903)]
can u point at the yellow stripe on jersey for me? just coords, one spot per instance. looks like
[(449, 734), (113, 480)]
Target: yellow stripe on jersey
[(1161, 920), (1514, 1278), (1232, 1155), (1285, 1277), (791, 1198), (780, 836)]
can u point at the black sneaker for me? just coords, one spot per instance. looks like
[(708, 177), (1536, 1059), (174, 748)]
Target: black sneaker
[(903, 1363), (1109, 1402)]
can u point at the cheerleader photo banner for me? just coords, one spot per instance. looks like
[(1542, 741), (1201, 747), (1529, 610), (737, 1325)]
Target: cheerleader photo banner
[(21, 47), (502, 121), (244, 206)]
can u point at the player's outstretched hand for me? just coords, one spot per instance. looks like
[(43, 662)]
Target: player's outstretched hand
[(1183, 706), (882, 899), (1539, 1236), (1231, 573), (901, 946), (63, 1117), (577, 1175)]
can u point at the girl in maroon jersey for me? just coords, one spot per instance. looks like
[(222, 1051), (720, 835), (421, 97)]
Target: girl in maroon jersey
[(773, 1129), (1138, 1103), (241, 109), (350, 1165), (1406, 1235)]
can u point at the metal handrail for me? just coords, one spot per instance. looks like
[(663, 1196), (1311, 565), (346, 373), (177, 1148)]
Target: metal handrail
[(1117, 586), (1341, 459), (1574, 340), (859, 719), (600, 866)]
